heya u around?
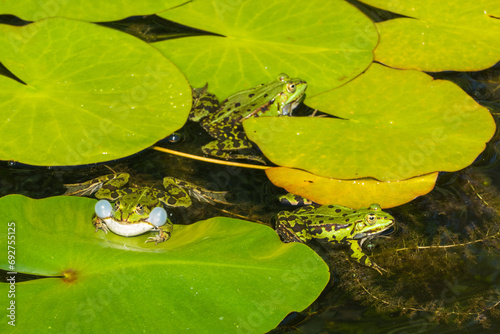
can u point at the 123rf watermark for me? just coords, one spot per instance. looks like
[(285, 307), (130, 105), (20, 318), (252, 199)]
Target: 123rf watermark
[(11, 274)]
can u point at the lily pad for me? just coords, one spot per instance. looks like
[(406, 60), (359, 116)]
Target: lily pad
[(358, 193), (326, 43), (393, 125), (220, 275), (91, 94), (439, 35), (34, 10)]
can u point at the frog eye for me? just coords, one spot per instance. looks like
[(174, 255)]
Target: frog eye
[(290, 87), (371, 218), (103, 209), (139, 209), (158, 216), (282, 77)]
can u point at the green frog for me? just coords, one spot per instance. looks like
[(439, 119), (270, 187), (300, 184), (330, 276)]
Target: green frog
[(224, 122), (137, 210), (335, 224)]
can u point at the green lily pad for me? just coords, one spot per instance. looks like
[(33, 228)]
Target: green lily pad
[(394, 125), (326, 43), (439, 35), (34, 10), (92, 94), (358, 193), (220, 275)]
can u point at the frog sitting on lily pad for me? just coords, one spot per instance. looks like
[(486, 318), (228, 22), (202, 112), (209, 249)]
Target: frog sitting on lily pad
[(134, 210), (224, 122)]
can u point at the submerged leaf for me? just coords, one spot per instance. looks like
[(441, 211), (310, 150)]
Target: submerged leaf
[(393, 125), (351, 193), (91, 94), (209, 277)]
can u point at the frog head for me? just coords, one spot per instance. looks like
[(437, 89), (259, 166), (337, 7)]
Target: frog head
[(292, 92), (371, 222)]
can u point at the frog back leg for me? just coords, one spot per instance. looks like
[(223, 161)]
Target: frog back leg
[(104, 187), (223, 148), (193, 190), (174, 196), (111, 188), (290, 229), (204, 104)]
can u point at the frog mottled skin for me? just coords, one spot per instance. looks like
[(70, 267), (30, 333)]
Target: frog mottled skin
[(277, 98), (133, 205), (295, 200), (335, 224)]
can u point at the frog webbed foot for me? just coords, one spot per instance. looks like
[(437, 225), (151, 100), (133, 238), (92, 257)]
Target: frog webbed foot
[(164, 234), (295, 200), (221, 149)]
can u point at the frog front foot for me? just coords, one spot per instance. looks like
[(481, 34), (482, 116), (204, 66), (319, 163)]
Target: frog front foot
[(99, 224), (162, 236), (360, 257), (221, 149)]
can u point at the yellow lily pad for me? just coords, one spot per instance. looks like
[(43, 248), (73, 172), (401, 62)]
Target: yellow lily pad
[(358, 193), (439, 35), (393, 125)]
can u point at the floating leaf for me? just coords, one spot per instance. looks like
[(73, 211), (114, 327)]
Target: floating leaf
[(351, 193), (220, 275), (91, 94), (439, 35), (326, 43), (34, 10), (394, 125)]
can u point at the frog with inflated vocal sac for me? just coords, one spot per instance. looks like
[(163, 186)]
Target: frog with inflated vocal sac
[(130, 211)]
